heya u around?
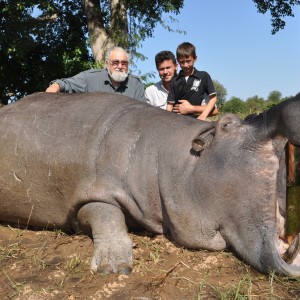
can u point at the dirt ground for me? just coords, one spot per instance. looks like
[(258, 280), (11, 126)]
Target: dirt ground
[(53, 265)]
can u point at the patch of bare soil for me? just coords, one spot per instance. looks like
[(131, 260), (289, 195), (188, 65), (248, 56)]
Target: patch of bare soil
[(52, 265)]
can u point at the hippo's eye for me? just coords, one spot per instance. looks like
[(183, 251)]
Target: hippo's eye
[(225, 124)]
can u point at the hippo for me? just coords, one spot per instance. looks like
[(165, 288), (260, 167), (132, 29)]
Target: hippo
[(105, 164)]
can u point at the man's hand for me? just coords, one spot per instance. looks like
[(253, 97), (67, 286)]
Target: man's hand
[(53, 88), (183, 108)]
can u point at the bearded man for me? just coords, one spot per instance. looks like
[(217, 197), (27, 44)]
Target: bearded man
[(114, 78)]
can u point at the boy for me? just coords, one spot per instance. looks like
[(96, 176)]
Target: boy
[(191, 92)]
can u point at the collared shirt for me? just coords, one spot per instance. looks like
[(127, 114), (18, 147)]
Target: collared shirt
[(194, 89), (157, 95), (97, 80)]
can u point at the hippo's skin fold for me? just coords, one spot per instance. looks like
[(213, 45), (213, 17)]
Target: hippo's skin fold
[(105, 164)]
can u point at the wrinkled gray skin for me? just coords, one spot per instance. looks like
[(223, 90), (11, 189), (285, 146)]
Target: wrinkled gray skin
[(104, 163)]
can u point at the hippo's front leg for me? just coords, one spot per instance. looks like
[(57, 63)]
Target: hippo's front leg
[(112, 245)]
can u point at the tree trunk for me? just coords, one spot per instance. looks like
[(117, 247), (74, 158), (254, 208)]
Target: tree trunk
[(119, 23), (102, 38)]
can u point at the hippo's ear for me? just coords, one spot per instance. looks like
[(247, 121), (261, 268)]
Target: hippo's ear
[(198, 145), (201, 142)]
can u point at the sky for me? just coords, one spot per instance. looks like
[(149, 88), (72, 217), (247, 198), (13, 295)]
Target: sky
[(234, 45)]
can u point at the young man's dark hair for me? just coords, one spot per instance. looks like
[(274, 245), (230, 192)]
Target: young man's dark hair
[(164, 55)]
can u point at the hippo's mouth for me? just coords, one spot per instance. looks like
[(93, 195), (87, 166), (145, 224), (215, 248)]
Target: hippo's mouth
[(289, 252)]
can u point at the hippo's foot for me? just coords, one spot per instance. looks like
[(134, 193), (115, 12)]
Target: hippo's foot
[(112, 245), (112, 257)]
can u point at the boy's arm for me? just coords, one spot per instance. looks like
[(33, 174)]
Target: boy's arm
[(210, 108), (184, 107), (169, 106), (170, 99)]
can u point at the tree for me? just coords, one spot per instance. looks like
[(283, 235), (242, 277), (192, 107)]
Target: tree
[(255, 104), (275, 97), (235, 105), (125, 23), (39, 41), (221, 93), (278, 9), (45, 39)]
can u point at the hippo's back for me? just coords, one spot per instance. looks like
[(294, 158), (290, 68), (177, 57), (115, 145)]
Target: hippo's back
[(54, 146), (48, 146)]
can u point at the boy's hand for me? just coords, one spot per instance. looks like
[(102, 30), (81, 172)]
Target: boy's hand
[(202, 117), (183, 108)]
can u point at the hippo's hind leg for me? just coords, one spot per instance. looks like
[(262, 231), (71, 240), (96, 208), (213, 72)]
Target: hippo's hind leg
[(112, 245)]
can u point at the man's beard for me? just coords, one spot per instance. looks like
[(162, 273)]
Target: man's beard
[(118, 76)]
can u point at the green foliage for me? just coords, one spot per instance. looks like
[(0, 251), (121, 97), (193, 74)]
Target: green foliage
[(275, 97), (278, 10), (42, 40), (144, 17), (255, 104), (235, 105), (221, 93)]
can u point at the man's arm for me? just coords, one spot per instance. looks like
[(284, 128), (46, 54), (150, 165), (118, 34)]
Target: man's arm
[(53, 88), (171, 98), (140, 92), (75, 84)]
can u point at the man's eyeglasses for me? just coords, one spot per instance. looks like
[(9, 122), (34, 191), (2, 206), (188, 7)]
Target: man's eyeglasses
[(115, 63)]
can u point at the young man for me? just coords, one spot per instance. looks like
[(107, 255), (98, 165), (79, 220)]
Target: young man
[(192, 92), (113, 79), (166, 66)]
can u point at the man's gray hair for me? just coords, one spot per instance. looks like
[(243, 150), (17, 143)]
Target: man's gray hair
[(109, 51)]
